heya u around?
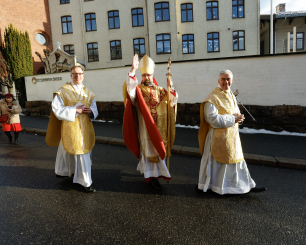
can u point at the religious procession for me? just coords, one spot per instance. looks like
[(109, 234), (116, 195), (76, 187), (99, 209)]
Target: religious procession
[(149, 131)]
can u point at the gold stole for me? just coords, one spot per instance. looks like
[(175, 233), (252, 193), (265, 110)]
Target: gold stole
[(156, 100), (226, 147), (77, 137)]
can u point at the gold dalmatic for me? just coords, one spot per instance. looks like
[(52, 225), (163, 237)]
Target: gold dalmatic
[(226, 147), (77, 137)]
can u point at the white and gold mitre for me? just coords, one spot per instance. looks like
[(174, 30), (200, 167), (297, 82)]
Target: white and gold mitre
[(146, 65)]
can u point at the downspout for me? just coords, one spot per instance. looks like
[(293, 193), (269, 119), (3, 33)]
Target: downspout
[(83, 33), (275, 33)]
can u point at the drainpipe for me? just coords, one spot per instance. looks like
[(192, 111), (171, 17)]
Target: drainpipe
[(148, 32), (276, 31)]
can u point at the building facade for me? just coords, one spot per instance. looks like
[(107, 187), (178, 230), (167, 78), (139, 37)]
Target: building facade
[(283, 22), (105, 34), (32, 16)]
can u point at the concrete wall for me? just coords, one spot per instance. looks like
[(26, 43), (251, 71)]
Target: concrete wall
[(199, 27), (262, 81)]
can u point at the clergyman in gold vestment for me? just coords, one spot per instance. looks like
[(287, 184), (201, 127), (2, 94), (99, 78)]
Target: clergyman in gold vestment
[(151, 164), (70, 128), (223, 168)]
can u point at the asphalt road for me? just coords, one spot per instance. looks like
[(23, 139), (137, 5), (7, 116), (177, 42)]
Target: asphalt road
[(38, 208), (260, 144)]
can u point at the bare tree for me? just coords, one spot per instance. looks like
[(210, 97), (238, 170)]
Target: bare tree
[(6, 80)]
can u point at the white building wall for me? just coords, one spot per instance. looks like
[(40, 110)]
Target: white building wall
[(265, 81)]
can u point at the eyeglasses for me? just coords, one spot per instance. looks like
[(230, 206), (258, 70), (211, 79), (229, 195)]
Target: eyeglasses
[(76, 74)]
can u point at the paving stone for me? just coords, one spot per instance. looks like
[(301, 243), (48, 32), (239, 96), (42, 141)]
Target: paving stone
[(102, 139), (116, 141), (176, 149)]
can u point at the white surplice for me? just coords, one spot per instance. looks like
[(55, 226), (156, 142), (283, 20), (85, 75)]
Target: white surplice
[(146, 167), (66, 163), (219, 177)]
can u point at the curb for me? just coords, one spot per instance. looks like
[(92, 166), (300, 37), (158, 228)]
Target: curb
[(281, 162)]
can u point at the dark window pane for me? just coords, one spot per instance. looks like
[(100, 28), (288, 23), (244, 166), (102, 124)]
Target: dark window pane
[(185, 48), (94, 27), (235, 44), (69, 18), (240, 1), (189, 6), (165, 14), (70, 27), (234, 12), (159, 47), (208, 4), (191, 49), (159, 37), (111, 23), (215, 13), (87, 16), (158, 5), (209, 43), (139, 11), (142, 41), (118, 43), (166, 36), (299, 35), (209, 35), (234, 2), (113, 43), (136, 41), (241, 33), (184, 16), (158, 15), (88, 25), (184, 37), (140, 20), (64, 28), (95, 45), (142, 49), (167, 47), (216, 35), (190, 37), (240, 13), (165, 5), (183, 6), (134, 11), (116, 13), (215, 4), (216, 45), (209, 14), (189, 15), (117, 22), (110, 14), (299, 44), (63, 18), (135, 20)]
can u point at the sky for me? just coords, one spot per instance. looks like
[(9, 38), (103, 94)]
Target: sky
[(291, 5)]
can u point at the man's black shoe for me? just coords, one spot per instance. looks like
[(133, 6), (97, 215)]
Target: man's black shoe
[(89, 189), (258, 189), (60, 176), (198, 190), (155, 184)]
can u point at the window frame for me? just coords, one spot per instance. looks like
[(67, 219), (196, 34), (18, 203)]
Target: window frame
[(186, 13), (144, 44), (212, 10), (90, 21), (137, 17), (188, 44), (113, 17), (163, 40), (93, 52), (213, 42), (69, 45), (66, 24), (65, 2), (297, 40), (110, 48), (161, 11), (238, 40), (237, 9)]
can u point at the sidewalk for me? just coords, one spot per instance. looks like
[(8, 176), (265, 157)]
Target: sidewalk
[(263, 149)]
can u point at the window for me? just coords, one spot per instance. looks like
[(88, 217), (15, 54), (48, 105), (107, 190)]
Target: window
[(188, 44), (238, 8), (115, 49), (238, 40), (213, 42), (64, 1), (162, 11), (299, 41), (113, 19), (66, 24), (69, 49), (139, 46), (212, 10), (163, 44), (40, 38), (90, 20), (137, 17), (92, 49), (186, 12)]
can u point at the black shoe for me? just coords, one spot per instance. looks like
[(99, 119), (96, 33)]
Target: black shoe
[(16, 142), (155, 184), (16, 134), (198, 190), (258, 189), (89, 189), (60, 176)]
